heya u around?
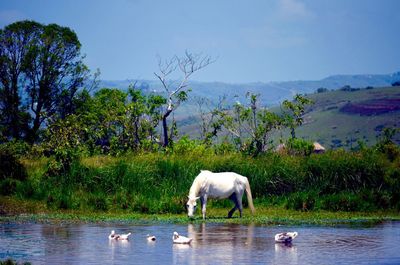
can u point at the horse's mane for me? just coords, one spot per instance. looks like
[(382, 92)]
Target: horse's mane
[(196, 185)]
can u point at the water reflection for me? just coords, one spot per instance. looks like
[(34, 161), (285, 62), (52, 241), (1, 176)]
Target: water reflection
[(228, 242), (285, 253), (212, 244)]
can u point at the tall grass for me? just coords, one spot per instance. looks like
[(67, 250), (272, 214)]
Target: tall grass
[(159, 182)]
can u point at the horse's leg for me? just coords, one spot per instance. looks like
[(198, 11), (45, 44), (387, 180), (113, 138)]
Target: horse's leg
[(203, 202), (239, 203), (235, 201)]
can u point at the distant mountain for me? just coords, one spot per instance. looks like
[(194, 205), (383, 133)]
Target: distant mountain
[(271, 93)]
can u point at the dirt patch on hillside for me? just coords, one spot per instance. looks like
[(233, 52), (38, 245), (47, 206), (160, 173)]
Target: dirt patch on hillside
[(372, 107)]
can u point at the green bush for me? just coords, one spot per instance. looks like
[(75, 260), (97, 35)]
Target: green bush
[(10, 166), (8, 186), (299, 146), (341, 202), (12, 262), (98, 202), (304, 201)]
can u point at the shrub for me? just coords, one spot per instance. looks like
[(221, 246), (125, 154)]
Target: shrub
[(300, 147), (10, 166), (342, 202), (396, 83), (12, 262), (98, 202), (304, 201), (8, 186)]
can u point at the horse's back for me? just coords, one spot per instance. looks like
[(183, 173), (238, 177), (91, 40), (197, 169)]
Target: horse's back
[(222, 184)]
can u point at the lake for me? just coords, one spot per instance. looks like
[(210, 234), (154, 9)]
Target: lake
[(73, 243)]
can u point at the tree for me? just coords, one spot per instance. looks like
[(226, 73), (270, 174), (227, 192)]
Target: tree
[(15, 42), (42, 64), (111, 121), (143, 116), (210, 123), (250, 125), (293, 112), (54, 71), (397, 83), (177, 92)]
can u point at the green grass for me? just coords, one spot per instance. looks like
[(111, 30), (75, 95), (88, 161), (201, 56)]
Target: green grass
[(263, 216), (158, 183)]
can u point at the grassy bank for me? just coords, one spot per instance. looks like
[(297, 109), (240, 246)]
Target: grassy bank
[(15, 210), (158, 183), (151, 184)]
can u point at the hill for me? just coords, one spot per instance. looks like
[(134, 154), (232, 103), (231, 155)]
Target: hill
[(341, 118), (272, 93), (351, 108)]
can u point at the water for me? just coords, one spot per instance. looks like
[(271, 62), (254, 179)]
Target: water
[(212, 244)]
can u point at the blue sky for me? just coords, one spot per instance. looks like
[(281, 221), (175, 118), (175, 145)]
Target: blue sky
[(253, 40)]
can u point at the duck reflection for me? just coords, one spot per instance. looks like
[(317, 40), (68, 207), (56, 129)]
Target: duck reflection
[(286, 253), (118, 248)]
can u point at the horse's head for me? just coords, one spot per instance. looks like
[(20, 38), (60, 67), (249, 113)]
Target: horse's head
[(191, 205)]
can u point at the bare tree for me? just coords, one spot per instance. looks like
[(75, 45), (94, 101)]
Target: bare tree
[(176, 91)]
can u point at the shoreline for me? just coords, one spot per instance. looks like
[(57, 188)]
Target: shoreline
[(28, 211)]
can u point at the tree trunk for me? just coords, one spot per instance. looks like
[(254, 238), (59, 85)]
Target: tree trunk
[(31, 137), (292, 132), (15, 121), (165, 128)]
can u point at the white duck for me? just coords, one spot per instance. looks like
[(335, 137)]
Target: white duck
[(178, 239), (115, 236), (150, 238), (286, 237)]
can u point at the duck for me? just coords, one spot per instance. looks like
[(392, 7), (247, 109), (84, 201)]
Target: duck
[(150, 238), (286, 237), (178, 239), (115, 236)]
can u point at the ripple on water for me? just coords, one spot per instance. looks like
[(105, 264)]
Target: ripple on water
[(212, 243)]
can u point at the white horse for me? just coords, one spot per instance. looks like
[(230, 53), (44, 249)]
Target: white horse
[(220, 186)]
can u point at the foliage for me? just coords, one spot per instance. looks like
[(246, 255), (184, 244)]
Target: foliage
[(10, 166), (42, 63), (250, 126), (211, 123), (12, 262), (15, 41), (386, 144), (298, 146), (110, 122), (322, 90), (294, 111), (186, 146)]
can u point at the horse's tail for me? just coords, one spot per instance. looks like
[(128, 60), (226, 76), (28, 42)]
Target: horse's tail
[(249, 197)]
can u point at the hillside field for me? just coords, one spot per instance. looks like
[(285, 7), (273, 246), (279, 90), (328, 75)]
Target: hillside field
[(341, 118), (338, 118)]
